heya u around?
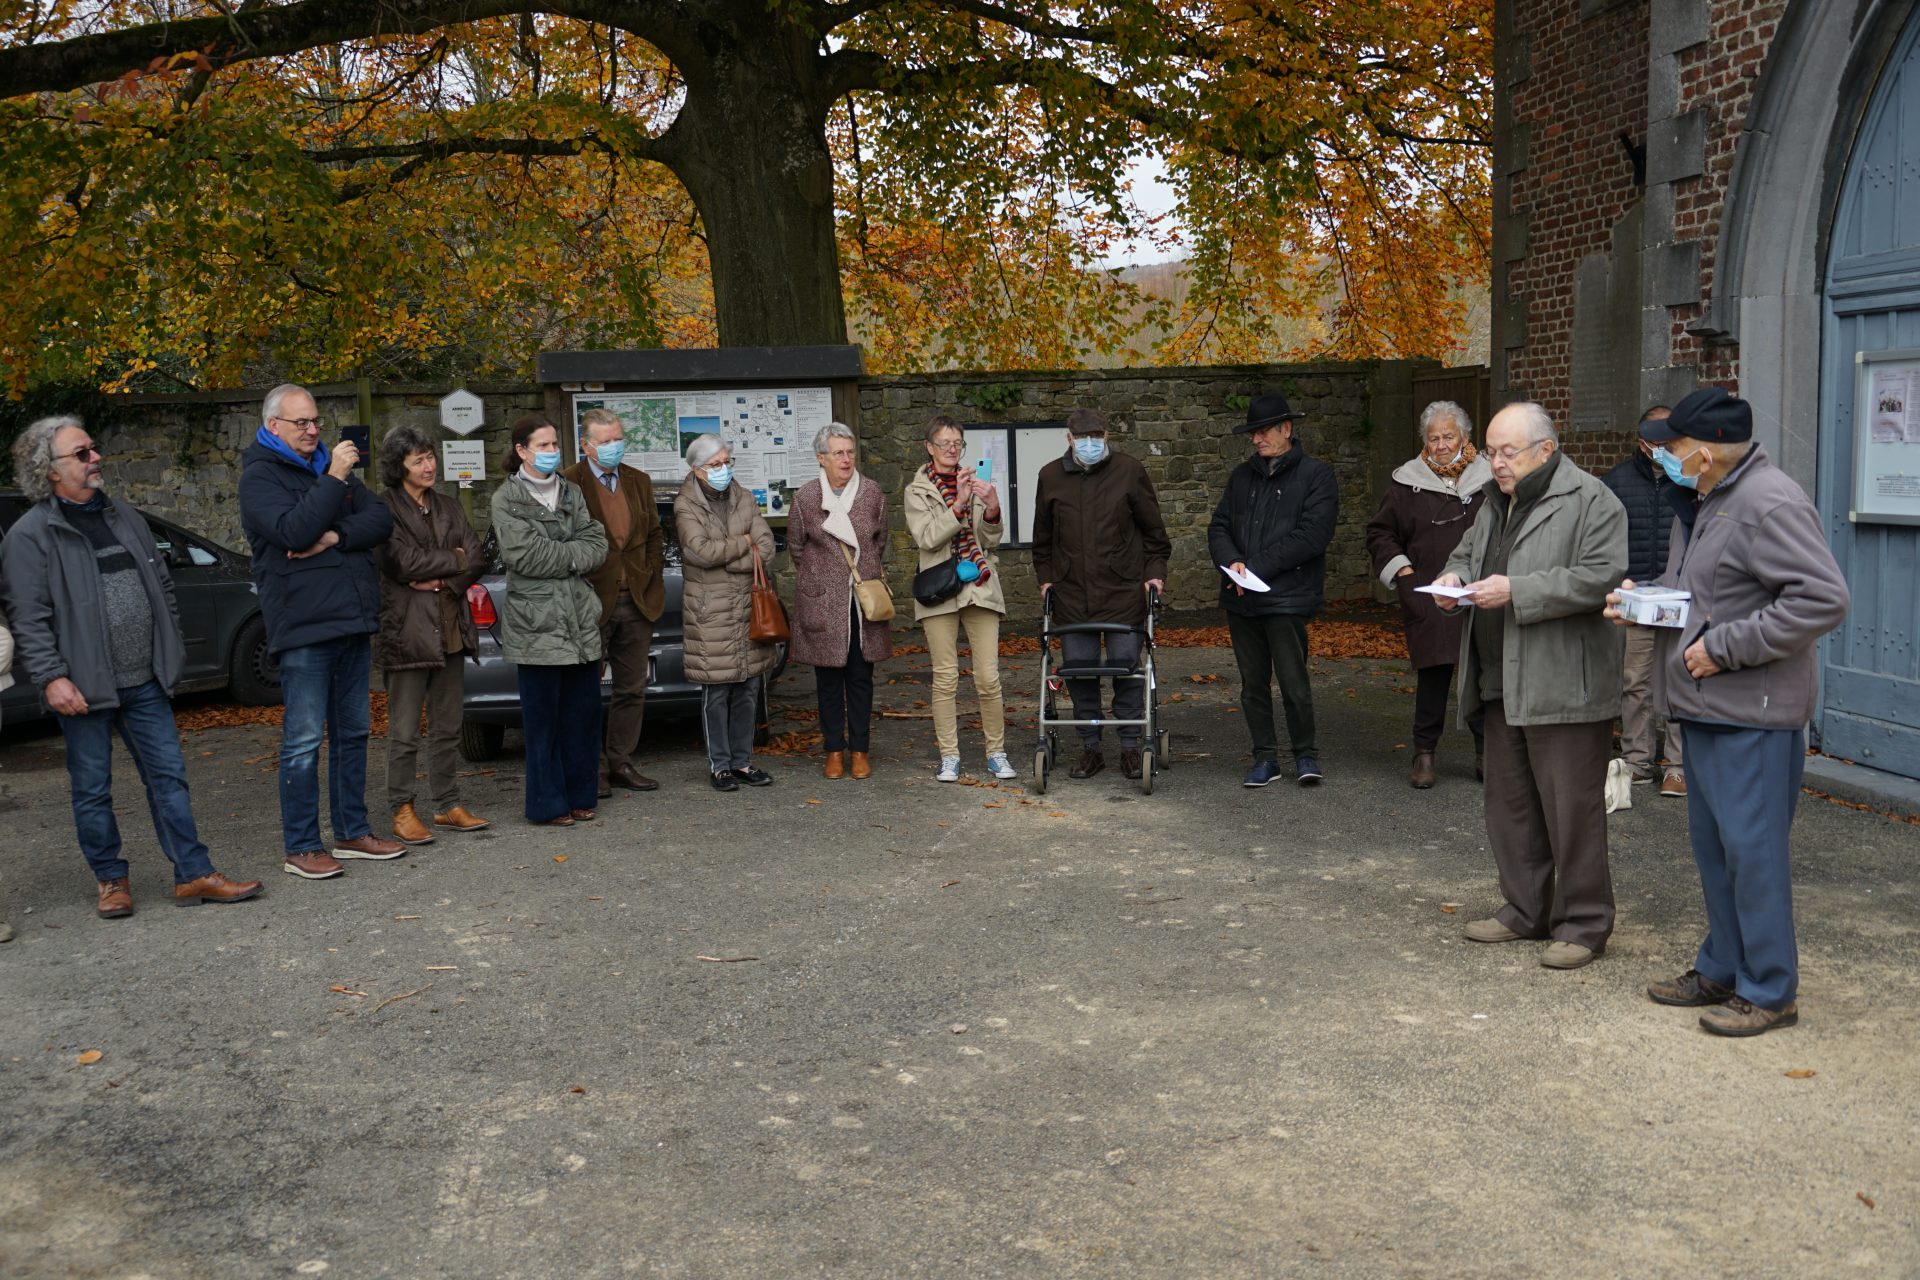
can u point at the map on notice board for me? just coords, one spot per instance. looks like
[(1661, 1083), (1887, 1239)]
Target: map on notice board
[(769, 430)]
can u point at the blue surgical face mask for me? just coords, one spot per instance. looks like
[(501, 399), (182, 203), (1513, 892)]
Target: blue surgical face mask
[(547, 463), (721, 477), (611, 454), (1089, 449), (1672, 466)]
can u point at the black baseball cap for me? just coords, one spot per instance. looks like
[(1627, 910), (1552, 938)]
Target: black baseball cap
[(1711, 413)]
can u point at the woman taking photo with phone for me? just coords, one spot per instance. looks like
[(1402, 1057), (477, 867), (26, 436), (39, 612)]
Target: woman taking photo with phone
[(952, 514)]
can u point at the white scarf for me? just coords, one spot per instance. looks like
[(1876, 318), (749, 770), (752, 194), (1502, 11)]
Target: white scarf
[(839, 508), (546, 490)]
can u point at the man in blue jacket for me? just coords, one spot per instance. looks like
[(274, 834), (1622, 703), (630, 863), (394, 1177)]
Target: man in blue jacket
[(1275, 521), (313, 527)]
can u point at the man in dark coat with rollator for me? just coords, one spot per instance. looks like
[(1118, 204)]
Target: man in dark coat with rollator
[(1274, 523)]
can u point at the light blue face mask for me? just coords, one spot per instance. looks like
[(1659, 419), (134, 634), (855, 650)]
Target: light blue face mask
[(611, 454), (1089, 449), (547, 463), (1672, 466), (721, 477)]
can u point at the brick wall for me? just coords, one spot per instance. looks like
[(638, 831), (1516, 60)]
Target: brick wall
[(179, 455)]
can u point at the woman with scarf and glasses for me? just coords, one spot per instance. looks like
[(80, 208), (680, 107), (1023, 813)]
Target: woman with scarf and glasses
[(1428, 507), (837, 535)]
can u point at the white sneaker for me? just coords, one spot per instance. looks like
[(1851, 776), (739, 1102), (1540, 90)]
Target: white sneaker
[(949, 769), (997, 766)]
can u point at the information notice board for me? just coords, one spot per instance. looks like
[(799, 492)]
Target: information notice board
[(769, 431), (1886, 437), (1016, 451)]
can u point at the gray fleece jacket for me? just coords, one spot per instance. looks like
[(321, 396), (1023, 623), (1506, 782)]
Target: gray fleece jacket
[(1765, 589)]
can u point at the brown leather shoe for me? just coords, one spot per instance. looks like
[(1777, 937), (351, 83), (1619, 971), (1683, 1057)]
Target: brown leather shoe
[(1691, 990), (584, 815), (318, 865), (370, 847), (604, 790), (214, 887), (1091, 762), (408, 829), (564, 820), (860, 767), (836, 765), (1674, 785), (625, 775), (1423, 775), (460, 820), (116, 899), (1740, 1017), (1129, 762)]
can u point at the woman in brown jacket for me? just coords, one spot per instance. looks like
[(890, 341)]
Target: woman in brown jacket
[(425, 632), (720, 527), (1429, 505), (836, 529)]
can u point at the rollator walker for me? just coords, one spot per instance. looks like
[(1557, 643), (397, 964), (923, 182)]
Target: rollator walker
[(1153, 739)]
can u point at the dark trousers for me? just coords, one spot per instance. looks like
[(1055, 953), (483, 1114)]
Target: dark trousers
[(324, 687), (845, 695), (1742, 788), (560, 716), (727, 716), (438, 690), (627, 637), (1431, 686), (145, 720), (1082, 649), (1547, 826), (1274, 648)]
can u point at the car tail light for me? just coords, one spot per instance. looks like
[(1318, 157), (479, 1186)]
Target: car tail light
[(480, 605)]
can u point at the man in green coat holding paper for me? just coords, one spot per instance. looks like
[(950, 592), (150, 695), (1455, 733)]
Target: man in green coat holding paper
[(1544, 664)]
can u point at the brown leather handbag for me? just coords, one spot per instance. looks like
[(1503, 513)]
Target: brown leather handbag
[(768, 624)]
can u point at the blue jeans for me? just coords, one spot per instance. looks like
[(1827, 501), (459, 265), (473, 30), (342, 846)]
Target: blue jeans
[(145, 721), (325, 688), (560, 716)]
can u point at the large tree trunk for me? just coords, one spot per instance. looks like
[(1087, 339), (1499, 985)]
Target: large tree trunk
[(750, 146)]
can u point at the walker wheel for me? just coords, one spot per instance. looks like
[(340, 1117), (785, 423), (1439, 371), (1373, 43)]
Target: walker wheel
[(1040, 765), (1146, 772)]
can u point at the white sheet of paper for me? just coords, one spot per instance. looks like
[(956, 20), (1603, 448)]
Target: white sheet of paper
[(1451, 593), (1246, 578)]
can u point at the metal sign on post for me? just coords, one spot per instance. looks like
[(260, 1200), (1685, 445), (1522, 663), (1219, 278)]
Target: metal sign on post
[(463, 461), (463, 412)]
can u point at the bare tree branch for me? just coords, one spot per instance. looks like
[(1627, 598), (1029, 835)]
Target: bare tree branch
[(417, 155)]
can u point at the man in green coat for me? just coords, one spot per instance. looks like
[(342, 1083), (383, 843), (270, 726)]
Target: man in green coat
[(1544, 664)]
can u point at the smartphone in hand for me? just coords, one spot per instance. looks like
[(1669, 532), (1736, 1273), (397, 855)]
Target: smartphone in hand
[(362, 438), (984, 470)]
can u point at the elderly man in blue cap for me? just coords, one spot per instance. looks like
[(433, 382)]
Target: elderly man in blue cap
[(1740, 680)]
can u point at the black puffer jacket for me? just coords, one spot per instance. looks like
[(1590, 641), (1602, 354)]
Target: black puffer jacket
[(326, 596), (1277, 518), (1642, 489)]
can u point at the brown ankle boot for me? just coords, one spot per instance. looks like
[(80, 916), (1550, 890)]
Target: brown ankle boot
[(408, 829), (116, 899), (1423, 774), (836, 764), (861, 767)]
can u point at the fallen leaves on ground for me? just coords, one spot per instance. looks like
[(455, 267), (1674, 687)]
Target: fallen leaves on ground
[(90, 1057), (559, 857), (1864, 1198), (797, 743), (1801, 1073)]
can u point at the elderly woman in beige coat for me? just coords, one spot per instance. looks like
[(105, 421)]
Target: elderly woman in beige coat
[(952, 514), (720, 527)]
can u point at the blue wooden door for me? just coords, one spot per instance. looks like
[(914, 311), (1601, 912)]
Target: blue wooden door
[(1871, 711)]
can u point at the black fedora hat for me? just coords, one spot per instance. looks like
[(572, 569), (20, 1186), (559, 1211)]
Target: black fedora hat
[(1264, 411)]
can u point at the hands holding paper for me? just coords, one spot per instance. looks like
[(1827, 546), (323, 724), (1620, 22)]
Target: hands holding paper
[(1244, 579), (1494, 592)]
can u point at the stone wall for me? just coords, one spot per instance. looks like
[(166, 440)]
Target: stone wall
[(179, 455)]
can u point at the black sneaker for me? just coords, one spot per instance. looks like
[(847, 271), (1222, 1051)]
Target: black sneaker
[(723, 782), (753, 777), (1306, 771)]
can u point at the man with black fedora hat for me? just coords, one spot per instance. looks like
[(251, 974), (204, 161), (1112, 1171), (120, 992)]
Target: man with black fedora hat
[(1274, 522), (1740, 679)]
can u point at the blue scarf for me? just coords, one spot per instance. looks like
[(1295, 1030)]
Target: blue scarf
[(316, 464)]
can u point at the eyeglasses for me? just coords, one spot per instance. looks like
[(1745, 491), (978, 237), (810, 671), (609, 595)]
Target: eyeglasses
[(305, 424), (1509, 453), (948, 446), (81, 454)]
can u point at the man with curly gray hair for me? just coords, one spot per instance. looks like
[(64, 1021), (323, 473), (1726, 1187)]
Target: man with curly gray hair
[(98, 632)]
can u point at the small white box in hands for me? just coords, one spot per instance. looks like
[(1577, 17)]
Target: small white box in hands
[(1655, 606)]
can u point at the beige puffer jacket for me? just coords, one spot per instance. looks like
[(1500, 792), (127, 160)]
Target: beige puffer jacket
[(716, 568)]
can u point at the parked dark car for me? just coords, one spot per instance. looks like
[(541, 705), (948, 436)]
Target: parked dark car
[(220, 624), (492, 704)]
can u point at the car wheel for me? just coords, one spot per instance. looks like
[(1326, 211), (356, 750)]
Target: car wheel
[(253, 676), (481, 742)]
